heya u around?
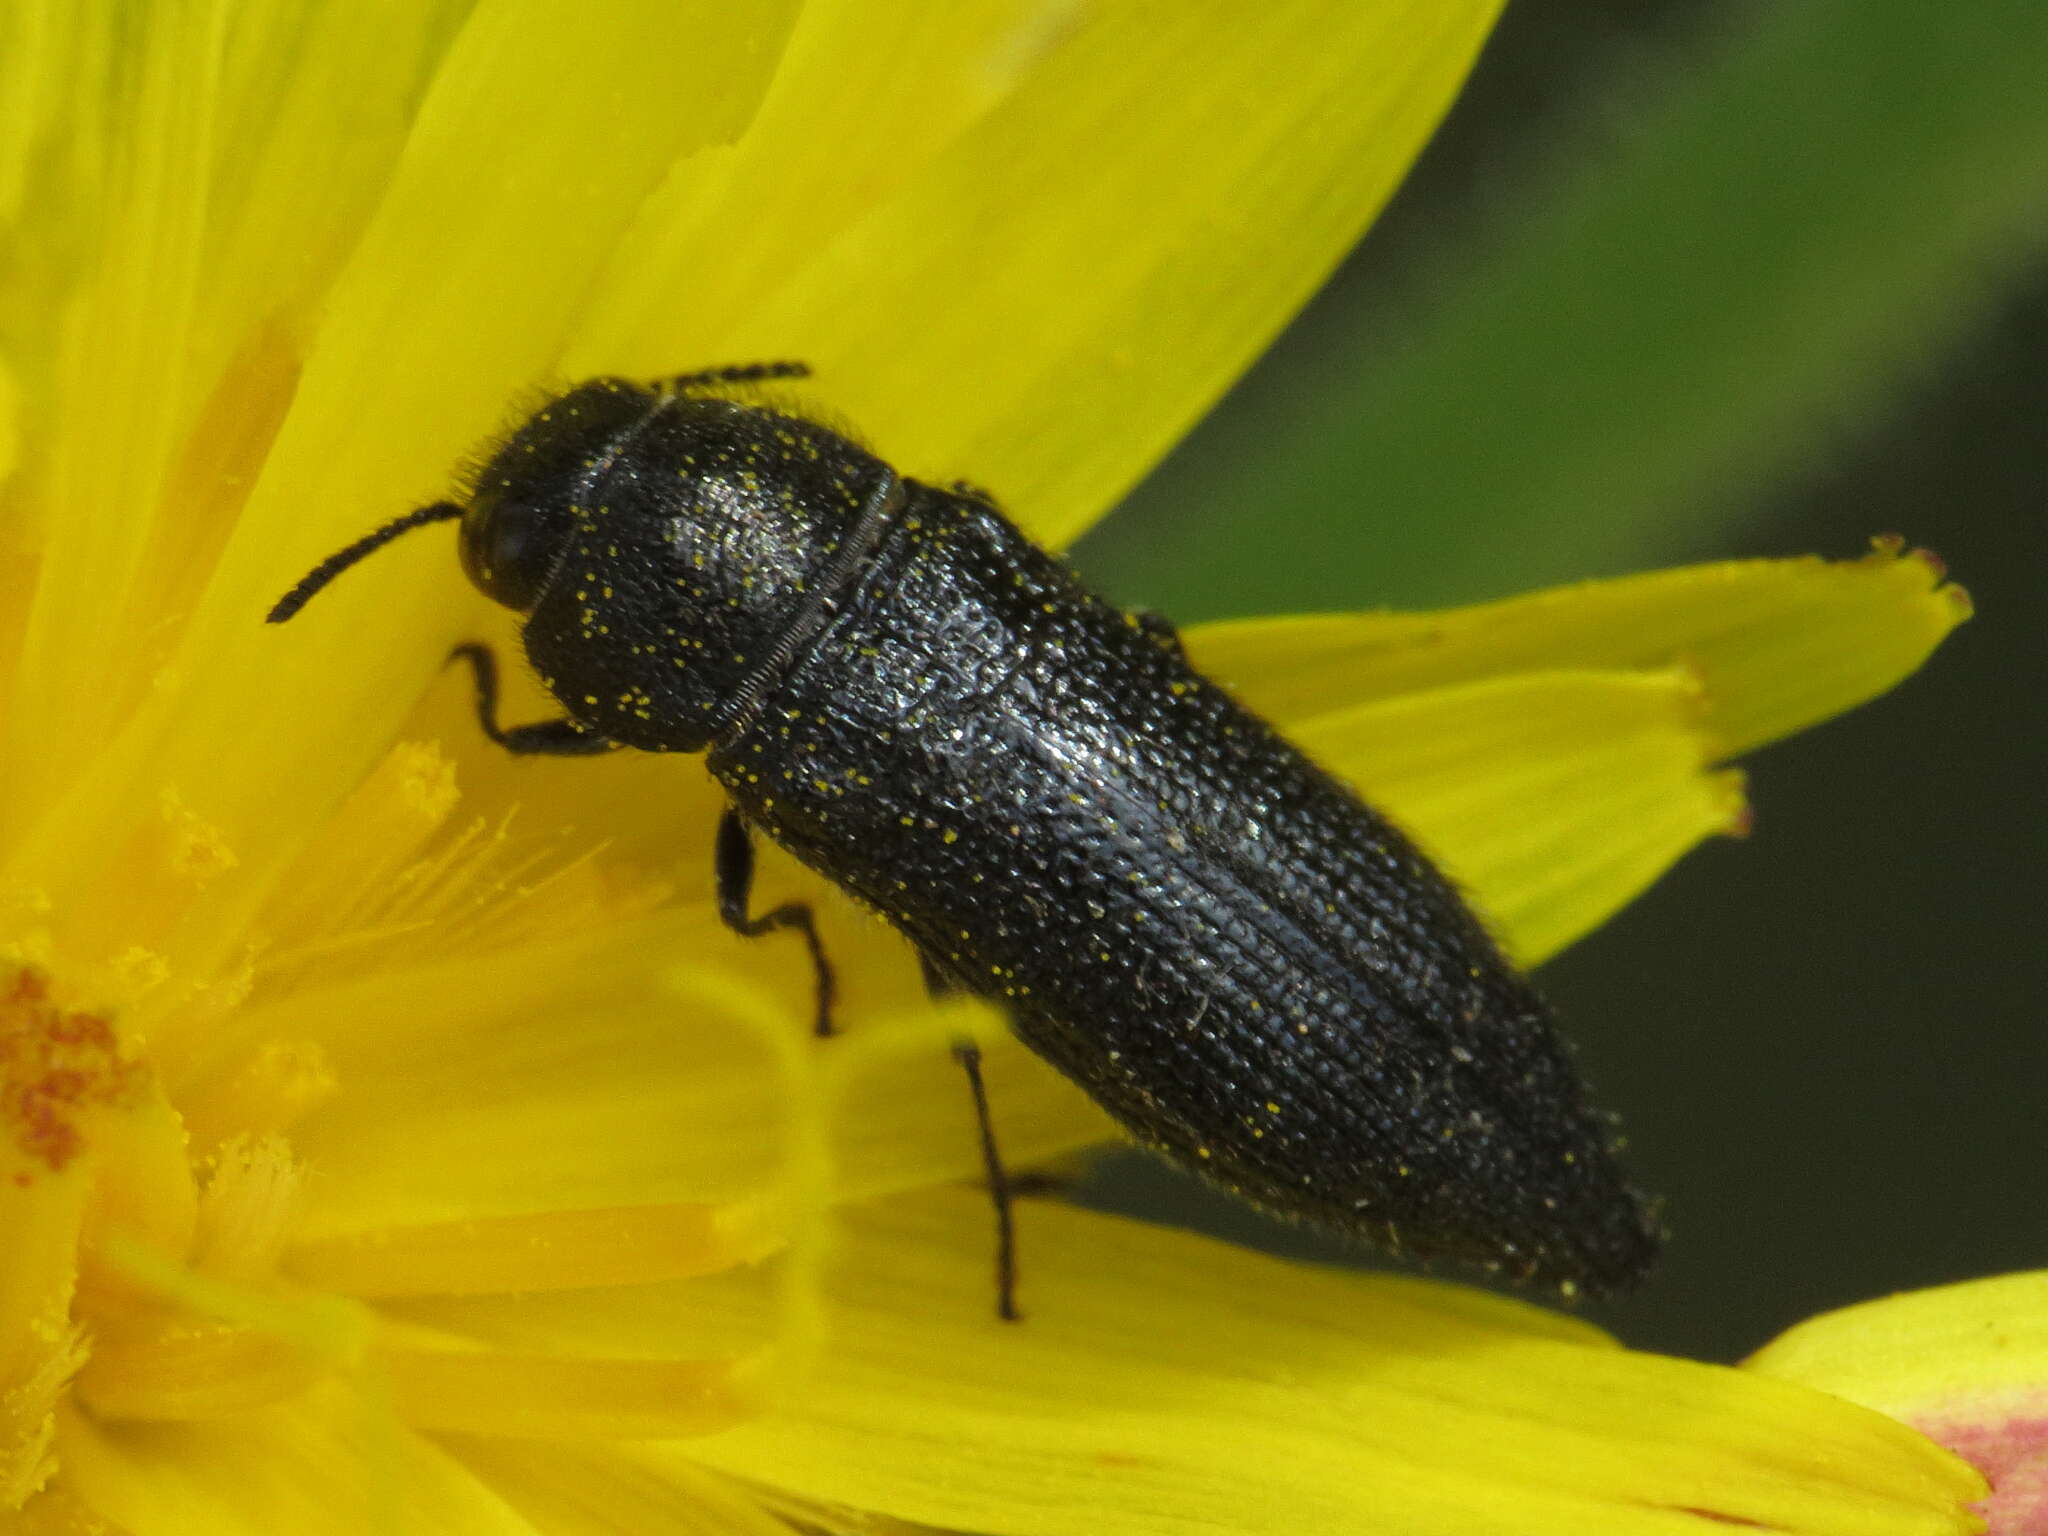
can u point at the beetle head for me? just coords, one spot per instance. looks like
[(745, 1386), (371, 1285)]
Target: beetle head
[(669, 551)]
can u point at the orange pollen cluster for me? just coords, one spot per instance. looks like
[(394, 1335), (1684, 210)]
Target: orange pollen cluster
[(55, 1065)]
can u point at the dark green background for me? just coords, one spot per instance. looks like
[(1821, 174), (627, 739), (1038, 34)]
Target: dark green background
[(1686, 281)]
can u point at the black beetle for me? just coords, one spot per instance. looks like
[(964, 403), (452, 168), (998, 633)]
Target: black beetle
[(1238, 959)]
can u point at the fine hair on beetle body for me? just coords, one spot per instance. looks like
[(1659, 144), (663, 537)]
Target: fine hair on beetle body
[(1246, 965)]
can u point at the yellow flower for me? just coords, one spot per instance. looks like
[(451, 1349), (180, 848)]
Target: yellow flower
[(389, 1133)]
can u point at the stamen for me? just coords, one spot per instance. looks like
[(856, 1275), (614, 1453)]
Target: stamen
[(545, 1251)]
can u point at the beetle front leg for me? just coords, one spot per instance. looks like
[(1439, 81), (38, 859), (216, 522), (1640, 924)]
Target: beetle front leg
[(733, 863), (541, 738)]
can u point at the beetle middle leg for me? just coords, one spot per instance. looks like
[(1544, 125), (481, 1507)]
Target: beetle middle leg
[(734, 865)]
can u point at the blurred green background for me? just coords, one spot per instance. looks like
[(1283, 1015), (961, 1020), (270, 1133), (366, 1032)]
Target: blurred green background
[(1679, 281)]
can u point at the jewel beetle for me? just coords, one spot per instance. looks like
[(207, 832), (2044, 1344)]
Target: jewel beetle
[(1248, 967)]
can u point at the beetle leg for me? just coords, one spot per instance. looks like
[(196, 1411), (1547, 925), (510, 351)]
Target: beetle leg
[(1161, 630), (937, 984), (1000, 1185), (973, 492), (734, 865), (969, 1056), (543, 738)]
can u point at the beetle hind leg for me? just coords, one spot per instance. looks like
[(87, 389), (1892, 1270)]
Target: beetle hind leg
[(968, 1054), (1001, 1186)]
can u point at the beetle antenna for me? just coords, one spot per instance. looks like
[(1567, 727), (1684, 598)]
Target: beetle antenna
[(342, 559)]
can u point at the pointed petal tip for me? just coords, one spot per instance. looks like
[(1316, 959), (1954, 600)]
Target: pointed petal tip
[(1731, 792)]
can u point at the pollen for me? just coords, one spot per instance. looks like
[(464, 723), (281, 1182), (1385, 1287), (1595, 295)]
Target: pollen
[(198, 849), (57, 1066)]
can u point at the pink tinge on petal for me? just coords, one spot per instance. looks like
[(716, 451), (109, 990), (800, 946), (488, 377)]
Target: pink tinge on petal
[(2011, 1449)]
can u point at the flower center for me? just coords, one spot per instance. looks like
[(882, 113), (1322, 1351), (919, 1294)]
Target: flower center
[(58, 1068), (122, 1272)]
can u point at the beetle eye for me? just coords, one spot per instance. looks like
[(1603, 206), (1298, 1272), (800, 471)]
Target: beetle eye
[(505, 551)]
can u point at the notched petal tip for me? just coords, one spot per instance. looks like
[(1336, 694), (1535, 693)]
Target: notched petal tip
[(1778, 645), (1888, 549), (1802, 641)]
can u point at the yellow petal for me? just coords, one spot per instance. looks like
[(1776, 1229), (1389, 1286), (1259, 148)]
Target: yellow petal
[(416, 325), (57, 1511), (182, 1344), (31, 49), (582, 1088), (1035, 304), (585, 1076), (10, 421), (1910, 1354), (1331, 1402), (331, 1462), (485, 1392), (834, 136), (601, 1490), (1965, 1364), (168, 1367), (413, 361), (188, 216), (650, 812), (626, 1362), (1777, 644), (548, 1250), (40, 1346), (1552, 798), (902, 1116)]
